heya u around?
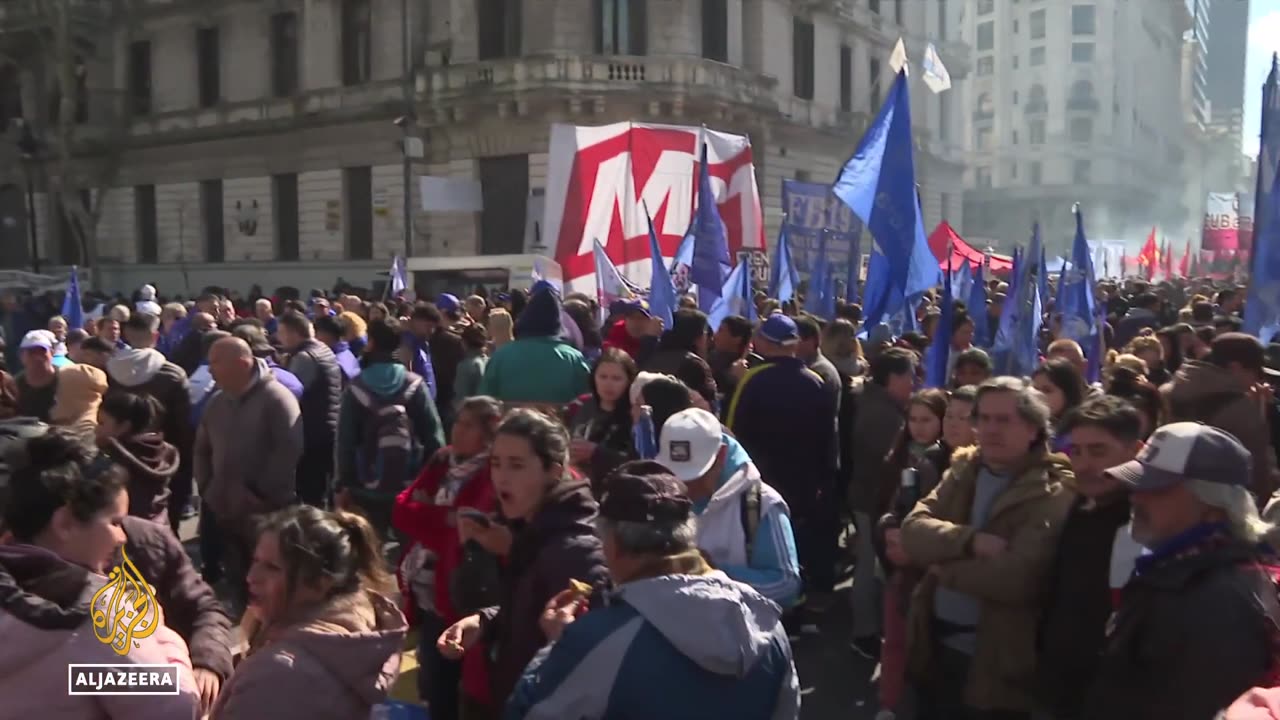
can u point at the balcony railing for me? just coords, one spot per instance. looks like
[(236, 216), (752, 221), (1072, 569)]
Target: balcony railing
[(595, 74)]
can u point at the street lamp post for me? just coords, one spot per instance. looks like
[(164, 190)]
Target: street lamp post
[(28, 148)]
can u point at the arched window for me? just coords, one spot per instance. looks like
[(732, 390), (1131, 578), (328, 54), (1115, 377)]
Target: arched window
[(984, 103), (1082, 90)]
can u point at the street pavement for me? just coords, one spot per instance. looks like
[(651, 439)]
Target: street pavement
[(834, 680)]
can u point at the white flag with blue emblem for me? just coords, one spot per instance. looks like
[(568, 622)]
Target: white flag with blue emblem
[(934, 72)]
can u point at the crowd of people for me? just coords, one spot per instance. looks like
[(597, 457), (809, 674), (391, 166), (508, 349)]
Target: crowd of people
[(578, 512)]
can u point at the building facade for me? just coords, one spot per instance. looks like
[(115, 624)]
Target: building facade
[(256, 141), (1075, 102)]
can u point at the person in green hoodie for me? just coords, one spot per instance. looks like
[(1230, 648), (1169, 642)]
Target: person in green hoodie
[(539, 366), (387, 427)]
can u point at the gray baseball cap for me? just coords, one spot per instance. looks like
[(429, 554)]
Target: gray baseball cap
[(1186, 451)]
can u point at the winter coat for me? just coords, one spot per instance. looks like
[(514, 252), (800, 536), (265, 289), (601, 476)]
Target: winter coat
[(385, 379), (146, 372), (346, 358), (334, 663), (878, 420), (429, 517), (46, 623), (611, 434), (247, 449), (538, 366), (1196, 628), (151, 463), (470, 375), (1132, 325), (1204, 392), (686, 367), (190, 606), (76, 402), (557, 545), (447, 352), (682, 646), (315, 366), (1028, 514)]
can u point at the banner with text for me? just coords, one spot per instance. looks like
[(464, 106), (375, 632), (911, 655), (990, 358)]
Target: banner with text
[(811, 208)]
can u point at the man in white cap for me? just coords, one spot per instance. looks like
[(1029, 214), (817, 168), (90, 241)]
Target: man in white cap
[(38, 381), (744, 526), (147, 301)]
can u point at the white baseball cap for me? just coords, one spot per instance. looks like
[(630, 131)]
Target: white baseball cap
[(689, 443)]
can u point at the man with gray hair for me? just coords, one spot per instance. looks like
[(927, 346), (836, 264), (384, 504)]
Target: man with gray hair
[(987, 536), (676, 639), (1199, 622)]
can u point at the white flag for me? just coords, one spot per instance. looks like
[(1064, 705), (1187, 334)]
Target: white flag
[(934, 72), (898, 58)]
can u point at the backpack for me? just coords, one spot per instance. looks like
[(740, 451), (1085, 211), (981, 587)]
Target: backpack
[(749, 512), (387, 440)]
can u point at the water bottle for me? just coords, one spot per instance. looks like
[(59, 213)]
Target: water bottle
[(908, 492), (644, 435)]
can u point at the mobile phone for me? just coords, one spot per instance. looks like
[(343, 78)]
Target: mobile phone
[(476, 516)]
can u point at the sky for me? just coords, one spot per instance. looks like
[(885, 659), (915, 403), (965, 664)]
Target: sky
[(1264, 39)]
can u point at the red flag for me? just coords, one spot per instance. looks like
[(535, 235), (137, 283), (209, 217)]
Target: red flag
[(1166, 260), (1149, 258), (1184, 267)]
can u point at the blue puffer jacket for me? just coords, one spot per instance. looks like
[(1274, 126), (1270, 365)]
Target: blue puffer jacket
[(670, 647)]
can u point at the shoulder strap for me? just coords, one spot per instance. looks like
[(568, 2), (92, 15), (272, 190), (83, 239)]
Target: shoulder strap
[(749, 507)]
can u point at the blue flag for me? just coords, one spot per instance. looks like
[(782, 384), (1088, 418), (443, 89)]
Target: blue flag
[(735, 297), (961, 280), (399, 278), (72, 305), (813, 301), (711, 263), (1004, 329), (937, 358), (1075, 291), (1042, 274), (1262, 307), (662, 294), (783, 276), (977, 305), (828, 309), (878, 183)]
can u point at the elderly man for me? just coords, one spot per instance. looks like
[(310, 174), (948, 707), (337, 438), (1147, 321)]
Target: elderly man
[(987, 536), (246, 451), (1198, 622), (676, 639), (38, 381)]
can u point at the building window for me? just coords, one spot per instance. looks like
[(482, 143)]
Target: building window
[(284, 54), (1015, 26), (1083, 20), (357, 187), (715, 30), (620, 27), (982, 178), (504, 194), (215, 248), (10, 95), (982, 138), (985, 108), (873, 72), (986, 7), (1037, 172), (1013, 171), (357, 22), (284, 202), (1081, 52), (209, 66), (1015, 97), (897, 12), (1080, 172), (874, 6), (498, 22), (140, 77), (1037, 24), (1081, 130), (1081, 97), (942, 19), (802, 58), (1015, 137), (986, 35), (846, 78), (1015, 62), (1037, 56), (144, 219), (1035, 132), (986, 65)]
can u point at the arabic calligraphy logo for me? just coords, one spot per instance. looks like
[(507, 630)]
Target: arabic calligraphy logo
[(125, 609)]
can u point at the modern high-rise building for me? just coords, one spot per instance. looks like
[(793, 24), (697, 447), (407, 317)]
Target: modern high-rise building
[(1072, 102), (1225, 62)]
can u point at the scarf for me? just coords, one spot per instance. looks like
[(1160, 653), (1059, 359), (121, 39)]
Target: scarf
[(461, 470)]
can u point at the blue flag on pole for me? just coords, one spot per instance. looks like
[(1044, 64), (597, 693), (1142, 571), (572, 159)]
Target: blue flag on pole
[(1042, 274), (662, 294), (72, 305), (1075, 291), (977, 306), (961, 281), (711, 263), (783, 276), (735, 297), (878, 183), (938, 356), (1262, 307), (815, 298)]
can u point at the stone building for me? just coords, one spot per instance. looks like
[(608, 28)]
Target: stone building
[(256, 140)]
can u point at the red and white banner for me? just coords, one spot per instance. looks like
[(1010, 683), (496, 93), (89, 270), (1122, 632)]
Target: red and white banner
[(599, 180), (1221, 223)]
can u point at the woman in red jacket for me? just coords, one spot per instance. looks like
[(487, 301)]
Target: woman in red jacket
[(456, 479)]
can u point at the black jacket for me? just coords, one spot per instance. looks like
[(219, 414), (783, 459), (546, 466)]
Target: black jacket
[(318, 370), (1193, 632)]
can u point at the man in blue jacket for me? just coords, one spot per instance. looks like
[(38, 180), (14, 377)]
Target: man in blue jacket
[(676, 640), (744, 526), (783, 416)]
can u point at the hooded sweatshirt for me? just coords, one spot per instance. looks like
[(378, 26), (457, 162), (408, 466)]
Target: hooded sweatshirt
[(145, 371), (337, 662), (675, 646), (385, 378), (538, 366), (76, 401), (151, 463), (46, 624)]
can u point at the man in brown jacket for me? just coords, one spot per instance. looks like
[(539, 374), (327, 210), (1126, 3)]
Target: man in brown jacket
[(987, 535), (246, 451)]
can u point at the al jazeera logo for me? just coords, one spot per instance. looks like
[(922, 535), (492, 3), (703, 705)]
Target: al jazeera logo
[(124, 611)]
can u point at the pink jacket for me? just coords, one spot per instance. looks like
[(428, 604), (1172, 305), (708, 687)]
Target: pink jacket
[(46, 624), (335, 663)]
